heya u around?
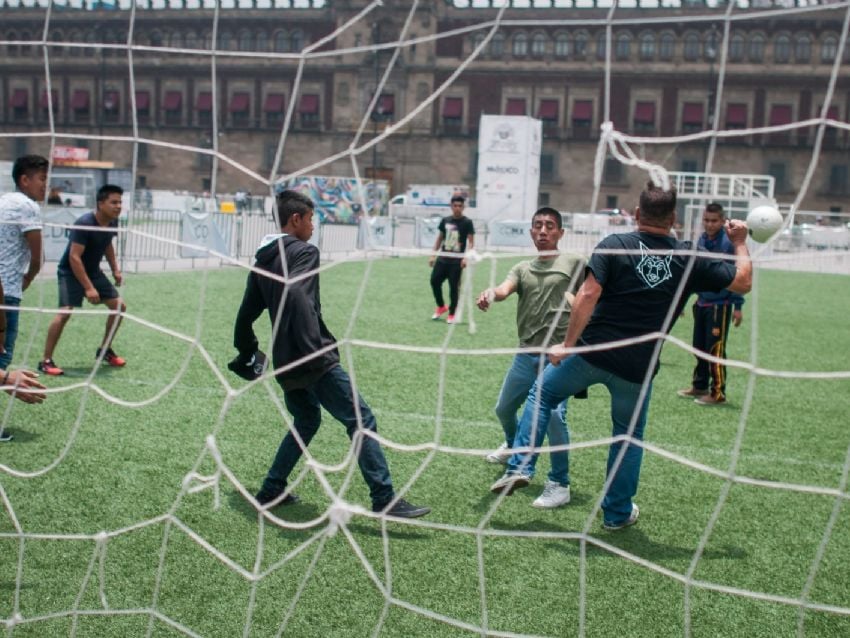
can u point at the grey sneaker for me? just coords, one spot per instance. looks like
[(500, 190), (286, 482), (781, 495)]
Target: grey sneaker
[(5, 436), (554, 495), (500, 455), (510, 482), (631, 520)]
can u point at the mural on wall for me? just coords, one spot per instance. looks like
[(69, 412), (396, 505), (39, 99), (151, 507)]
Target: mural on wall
[(338, 199)]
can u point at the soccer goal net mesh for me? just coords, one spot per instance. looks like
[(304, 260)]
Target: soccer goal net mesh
[(127, 497)]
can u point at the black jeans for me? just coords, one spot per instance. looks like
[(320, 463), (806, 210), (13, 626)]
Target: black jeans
[(333, 392), (711, 330), (446, 269)]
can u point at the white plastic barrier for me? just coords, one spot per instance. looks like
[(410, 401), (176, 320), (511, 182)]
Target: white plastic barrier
[(510, 233), (427, 229), (201, 231), (375, 232), (55, 238)]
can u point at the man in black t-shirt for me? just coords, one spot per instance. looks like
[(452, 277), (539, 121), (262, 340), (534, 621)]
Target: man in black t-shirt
[(635, 287), (80, 277), (457, 234)]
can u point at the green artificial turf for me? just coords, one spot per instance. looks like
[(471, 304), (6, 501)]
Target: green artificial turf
[(117, 452)]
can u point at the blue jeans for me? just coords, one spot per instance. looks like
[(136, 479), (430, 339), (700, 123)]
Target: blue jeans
[(562, 381), (518, 381), (332, 391), (11, 331)]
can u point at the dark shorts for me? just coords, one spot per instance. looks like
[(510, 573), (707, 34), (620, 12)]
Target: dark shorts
[(71, 293)]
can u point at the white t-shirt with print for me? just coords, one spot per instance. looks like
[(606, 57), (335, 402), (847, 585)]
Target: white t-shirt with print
[(18, 215)]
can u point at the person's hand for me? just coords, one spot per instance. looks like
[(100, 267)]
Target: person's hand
[(24, 379), (118, 277), (2, 340), (463, 263), (431, 260), (92, 295), (737, 317), (26, 281), (486, 298), (558, 353), (736, 230)]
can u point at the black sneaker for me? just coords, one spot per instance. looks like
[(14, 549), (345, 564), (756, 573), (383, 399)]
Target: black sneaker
[(5, 436), (402, 509), (263, 498)]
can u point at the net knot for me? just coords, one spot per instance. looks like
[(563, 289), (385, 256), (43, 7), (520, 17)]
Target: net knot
[(338, 516)]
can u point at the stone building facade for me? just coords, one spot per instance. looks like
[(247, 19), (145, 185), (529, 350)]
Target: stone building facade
[(549, 63)]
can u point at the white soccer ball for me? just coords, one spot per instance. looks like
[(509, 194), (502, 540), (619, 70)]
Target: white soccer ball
[(763, 222)]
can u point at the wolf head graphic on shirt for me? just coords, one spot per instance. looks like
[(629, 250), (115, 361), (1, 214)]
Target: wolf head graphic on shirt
[(654, 269)]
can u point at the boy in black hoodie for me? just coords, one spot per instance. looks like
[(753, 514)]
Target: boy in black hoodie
[(305, 355)]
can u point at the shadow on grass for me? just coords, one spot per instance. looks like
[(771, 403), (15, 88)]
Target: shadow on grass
[(20, 436), (300, 512), (373, 528)]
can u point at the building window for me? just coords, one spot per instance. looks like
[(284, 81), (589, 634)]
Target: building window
[(143, 154), (515, 106), (297, 41), (172, 106), (647, 46), (262, 41), (580, 48), (384, 108), (601, 45), (240, 109), (21, 146), (547, 167), (562, 45), (756, 53), (780, 114), (225, 41), (143, 106), (692, 47), (308, 109), (667, 46), (778, 170), (838, 179), (582, 119), (736, 116), (803, 49), (693, 117), (623, 50), (538, 45), (644, 117), (80, 106), (20, 105), (281, 42), (736, 47), (611, 201), (452, 114), (246, 42), (711, 46), (204, 108), (689, 166), (270, 152), (828, 49), (46, 104), (275, 109), (497, 45), (547, 113), (782, 49), (191, 40), (111, 106), (520, 45), (613, 171)]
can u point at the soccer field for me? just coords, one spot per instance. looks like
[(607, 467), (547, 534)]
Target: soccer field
[(127, 451)]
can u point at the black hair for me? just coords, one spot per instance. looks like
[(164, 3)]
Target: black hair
[(657, 204), (290, 203), (458, 198), (106, 190), (714, 207), (28, 165), (548, 211)]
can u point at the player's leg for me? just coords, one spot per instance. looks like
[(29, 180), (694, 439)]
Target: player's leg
[(558, 382), (306, 413), (11, 336), (439, 274), (518, 381), (626, 408), (337, 396), (702, 342), (71, 296), (719, 334), (556, 489), (111, 299), (454, 276)]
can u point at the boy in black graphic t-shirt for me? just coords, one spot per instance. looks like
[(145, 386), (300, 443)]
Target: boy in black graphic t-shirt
[(457, 233)]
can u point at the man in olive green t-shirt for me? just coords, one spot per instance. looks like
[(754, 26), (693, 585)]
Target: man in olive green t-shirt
[(545, 287)]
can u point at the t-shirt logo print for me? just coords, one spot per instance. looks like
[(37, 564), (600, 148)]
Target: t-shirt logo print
[(653, 269)]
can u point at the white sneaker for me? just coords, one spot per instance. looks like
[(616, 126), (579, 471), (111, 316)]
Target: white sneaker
[(500, 455), (554, 495), (631, 520), (510, 482)]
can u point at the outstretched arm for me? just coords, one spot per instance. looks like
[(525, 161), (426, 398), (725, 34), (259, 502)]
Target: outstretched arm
[(499, 293), (251, 307), (16, 380), (585, 302), (736, 230)]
